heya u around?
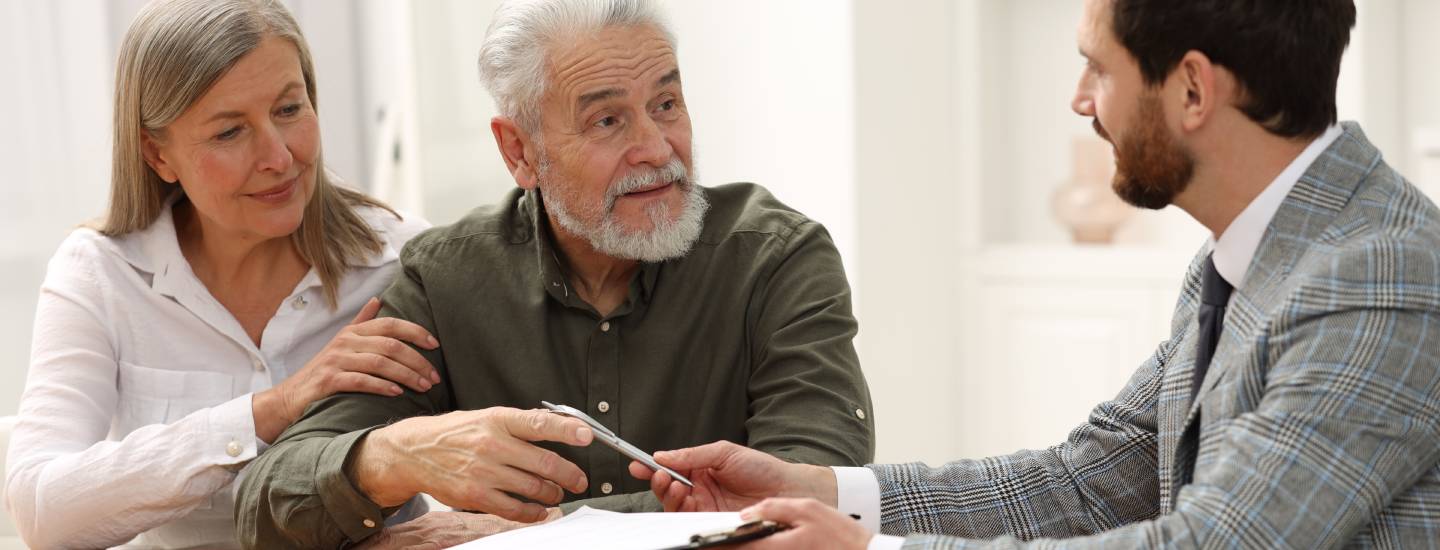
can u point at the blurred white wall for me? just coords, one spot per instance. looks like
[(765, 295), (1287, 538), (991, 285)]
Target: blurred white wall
[(56, 148)]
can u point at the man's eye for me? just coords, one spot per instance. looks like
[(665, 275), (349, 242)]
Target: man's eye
[(607, 122), (227, 135), (666, 106), (290, 110)]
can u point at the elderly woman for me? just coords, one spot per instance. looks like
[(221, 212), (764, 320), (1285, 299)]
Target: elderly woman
[(229, 287)]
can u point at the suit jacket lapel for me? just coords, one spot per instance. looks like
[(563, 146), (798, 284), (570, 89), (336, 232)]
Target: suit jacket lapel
[(1304, 218)]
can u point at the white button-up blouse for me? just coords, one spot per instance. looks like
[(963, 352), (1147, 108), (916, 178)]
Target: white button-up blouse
[(136, 414)]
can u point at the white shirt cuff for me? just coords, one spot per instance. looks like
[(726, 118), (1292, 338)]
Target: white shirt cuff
[(859, 494), (230, 436), (885, 542)]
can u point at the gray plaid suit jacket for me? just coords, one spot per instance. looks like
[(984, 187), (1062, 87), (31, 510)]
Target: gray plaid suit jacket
[(1320, 407)]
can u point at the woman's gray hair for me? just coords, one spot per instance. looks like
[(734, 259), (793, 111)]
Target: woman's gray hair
[(522, 33), (173, 53)]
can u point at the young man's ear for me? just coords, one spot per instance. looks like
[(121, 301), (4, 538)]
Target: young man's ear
[(1198, 80), (514, 144), (150, 149)]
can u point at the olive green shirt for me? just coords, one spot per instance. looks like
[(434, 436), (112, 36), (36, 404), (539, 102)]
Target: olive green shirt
[(747, 338)]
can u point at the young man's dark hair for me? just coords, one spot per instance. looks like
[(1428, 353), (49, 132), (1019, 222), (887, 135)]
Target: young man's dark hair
[(1285, 53)]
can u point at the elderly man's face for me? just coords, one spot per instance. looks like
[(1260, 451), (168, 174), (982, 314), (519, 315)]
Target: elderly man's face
[(615, 139)]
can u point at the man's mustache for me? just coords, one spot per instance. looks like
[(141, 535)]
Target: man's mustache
[(1100, 130)]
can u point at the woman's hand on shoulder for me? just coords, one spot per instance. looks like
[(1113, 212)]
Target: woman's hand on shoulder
[(369, 356)]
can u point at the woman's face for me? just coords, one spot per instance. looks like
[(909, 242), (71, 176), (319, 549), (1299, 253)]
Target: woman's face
[(245, 151)]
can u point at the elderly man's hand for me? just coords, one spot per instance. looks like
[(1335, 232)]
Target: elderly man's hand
[(729, 477), (812, 525), (472, 460), (437, 530)]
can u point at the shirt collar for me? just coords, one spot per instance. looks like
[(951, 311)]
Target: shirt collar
[(1236, 247), (552, 270), (156, 249)]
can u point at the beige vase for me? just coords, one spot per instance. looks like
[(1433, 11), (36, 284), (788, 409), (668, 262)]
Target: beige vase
[(1086, 205)]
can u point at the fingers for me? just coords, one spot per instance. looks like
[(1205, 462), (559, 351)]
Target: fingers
[(640, 471), (536, 425), (498, 503), (384, 367), (544, 464), (789, 511), (524, 484), (670, 493), (675, 496), (367, 311), (364, 383), (399, 329), (418, 368), (694, 458)]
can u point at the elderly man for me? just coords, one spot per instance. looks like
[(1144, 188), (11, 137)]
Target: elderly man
[(1295, 403), (672, 313)]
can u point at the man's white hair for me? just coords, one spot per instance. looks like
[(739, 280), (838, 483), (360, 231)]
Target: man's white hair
[(514, 55)]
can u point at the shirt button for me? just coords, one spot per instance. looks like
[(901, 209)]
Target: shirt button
[(259, 363), (607, 488), (233, 449), (299, 302), (605, 327), (368, 523), (860, 413), (603, 406)]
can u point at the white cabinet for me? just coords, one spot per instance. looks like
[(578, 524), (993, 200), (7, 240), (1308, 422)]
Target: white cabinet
[(1061, 329)]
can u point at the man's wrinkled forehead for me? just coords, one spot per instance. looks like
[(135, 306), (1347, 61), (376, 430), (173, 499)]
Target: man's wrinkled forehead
[(612, 63)]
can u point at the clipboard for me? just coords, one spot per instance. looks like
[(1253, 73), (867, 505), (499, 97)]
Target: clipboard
[(747, 532)]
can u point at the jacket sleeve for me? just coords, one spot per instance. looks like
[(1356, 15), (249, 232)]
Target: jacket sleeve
[(1103, 476)]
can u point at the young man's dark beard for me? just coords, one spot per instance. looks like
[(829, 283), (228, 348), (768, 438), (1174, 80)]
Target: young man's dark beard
[(1150, 168)]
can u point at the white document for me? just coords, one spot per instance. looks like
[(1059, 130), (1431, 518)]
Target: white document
[(593, 529)]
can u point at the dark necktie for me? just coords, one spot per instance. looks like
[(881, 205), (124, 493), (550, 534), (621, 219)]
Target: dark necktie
[(1214, 295)]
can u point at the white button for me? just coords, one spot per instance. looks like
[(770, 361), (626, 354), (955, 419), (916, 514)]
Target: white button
[(299, 302), (233, 449), (259, 364), (605, 327), (603, 406), (607, 488), (368, 523), (860, 413)]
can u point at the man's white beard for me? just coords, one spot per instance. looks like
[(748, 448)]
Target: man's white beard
[(671, 237)]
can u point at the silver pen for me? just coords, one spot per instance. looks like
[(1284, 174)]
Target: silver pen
[(614, 442)]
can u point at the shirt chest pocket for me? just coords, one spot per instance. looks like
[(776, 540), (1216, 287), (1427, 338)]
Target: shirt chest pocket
[(163, 396)]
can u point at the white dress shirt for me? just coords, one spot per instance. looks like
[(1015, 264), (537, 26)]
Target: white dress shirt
[(859, 491), (136, 416)]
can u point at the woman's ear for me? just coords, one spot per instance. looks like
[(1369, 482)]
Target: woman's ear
[(155, 157)]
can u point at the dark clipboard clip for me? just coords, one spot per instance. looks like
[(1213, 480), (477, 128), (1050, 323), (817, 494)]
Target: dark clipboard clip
[(744, 533)]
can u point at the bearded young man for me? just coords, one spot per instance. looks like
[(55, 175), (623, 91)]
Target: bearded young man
[(672, 313), (1297, 401)]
